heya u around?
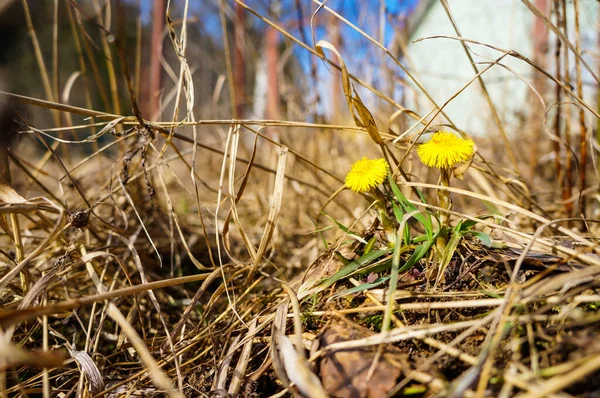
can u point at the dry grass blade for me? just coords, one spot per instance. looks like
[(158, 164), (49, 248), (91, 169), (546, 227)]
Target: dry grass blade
[(274, 208), (233, 141), (364, 118), (296, 368), (407, 333), (57, 229), (243, 361), (159, 378), (190, 307), (278, 323), (90, 370), (220, 382), (8, 195)]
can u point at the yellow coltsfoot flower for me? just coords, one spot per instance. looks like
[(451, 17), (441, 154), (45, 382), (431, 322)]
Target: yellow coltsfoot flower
[(366, 174), (445, 150)]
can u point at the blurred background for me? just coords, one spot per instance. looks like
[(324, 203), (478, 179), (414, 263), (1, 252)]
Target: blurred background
[(46, 53), (273, 74)]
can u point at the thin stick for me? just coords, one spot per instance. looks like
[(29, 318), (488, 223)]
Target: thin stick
[(11, 317), (46, 378)]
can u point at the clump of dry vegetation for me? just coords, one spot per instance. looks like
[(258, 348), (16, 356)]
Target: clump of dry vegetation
[(164, 238)]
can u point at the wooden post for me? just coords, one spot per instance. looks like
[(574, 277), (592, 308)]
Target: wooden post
[(239, 62), (540, 49)]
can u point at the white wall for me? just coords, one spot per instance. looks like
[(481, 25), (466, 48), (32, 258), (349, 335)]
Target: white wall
[(443, 67)]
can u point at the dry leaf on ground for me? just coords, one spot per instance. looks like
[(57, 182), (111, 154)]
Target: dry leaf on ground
[(344, 373)]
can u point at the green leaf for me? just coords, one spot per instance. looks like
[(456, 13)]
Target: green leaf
[(420, 238), (419, 253), (399, 217), (344, 228), (360, 288), (421, 196), (339, 224), (375, 267), (465, 225), (370, 245), (449, 250), (429, 225), (483, 237), (355, 265), (341, 258), (491, 294), (423, 217), (319, 232), (398, 213)]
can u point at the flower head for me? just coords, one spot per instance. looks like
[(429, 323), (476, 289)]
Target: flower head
[(445, 150), (366, 174)]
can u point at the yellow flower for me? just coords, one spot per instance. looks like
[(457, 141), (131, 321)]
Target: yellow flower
[(366, 174), (445, 150)]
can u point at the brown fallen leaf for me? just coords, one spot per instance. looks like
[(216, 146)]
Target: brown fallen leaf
[(344, 373)]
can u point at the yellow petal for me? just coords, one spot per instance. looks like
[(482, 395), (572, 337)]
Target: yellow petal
[(445, 150), (366, 174)]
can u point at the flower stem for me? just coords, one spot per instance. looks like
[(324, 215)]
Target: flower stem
[(444, 197), (387, 224), (445, 203)]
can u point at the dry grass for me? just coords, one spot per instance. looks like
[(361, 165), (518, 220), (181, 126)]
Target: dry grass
[(199, 255)]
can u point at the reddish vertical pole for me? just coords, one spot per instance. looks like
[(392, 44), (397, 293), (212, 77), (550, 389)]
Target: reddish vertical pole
[(239, 62), (540, 49), (158, 21)]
